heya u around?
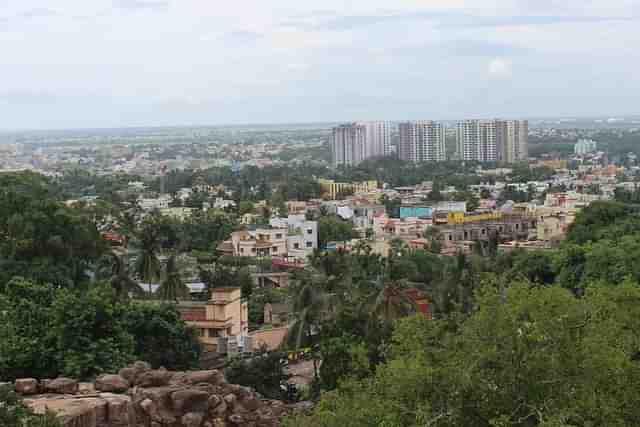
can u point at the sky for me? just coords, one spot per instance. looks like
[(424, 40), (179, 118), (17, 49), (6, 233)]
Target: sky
[(117, 63)]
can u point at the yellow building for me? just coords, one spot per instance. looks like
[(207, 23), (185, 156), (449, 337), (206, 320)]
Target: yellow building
[(553, 164), (465, 218), (331, 188), (225, 315)]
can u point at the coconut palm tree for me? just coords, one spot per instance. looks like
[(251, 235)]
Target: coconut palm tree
[(148, 266), (114, 269), (172, 287)]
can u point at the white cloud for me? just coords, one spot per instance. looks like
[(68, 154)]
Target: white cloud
[(500, 68)]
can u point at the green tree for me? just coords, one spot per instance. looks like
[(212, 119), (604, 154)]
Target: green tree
[(161, 337), (15, 413), (172, 288), (264, 373)]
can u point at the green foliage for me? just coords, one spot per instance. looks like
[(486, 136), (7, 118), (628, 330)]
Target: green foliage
[(602, 219), (42, 239), (333, 229), (89, 333), (529, 356), (343, 357), (264, 373), (47, 331), (161, 337), (15, 413)]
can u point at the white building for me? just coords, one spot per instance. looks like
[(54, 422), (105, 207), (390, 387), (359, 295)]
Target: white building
[(493, 140), (422, 141), (302, 235), (162, 202), (355, 142), (348, 144), (585, 146)]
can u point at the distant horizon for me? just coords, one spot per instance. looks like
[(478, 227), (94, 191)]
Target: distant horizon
[(625, 118)]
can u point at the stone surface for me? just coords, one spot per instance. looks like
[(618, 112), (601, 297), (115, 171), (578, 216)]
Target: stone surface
[(62, 386), (190, 400), (214, 377), (157, 398), (112, 383), (192, 419), (154, 378), (26, 386)]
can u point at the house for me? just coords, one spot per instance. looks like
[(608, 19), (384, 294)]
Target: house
[(302, 235), (262, 242), (225, 315)]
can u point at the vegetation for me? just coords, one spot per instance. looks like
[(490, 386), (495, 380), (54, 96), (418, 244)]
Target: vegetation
[(15, 413)]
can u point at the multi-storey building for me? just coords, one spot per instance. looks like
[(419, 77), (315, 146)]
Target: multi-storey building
[(302, 235), (492, 140), (421, 141), (585, 146), (348, 144), (377, 139), (515, 145), (355, 142)]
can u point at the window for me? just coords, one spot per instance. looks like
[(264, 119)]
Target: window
[(296, 246), (309, 244), (253, 249), (213, 333), (279, 236), (309, 231), (241, 250), (274, 249)]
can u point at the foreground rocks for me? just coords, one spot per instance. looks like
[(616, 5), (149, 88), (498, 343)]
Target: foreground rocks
[(139, 396)]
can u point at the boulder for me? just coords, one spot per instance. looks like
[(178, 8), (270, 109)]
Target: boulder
[(236, 419), (131, 372), (26, 386), (150, 409), (155, 378), (112, 384), (217, 405), (214, 377), (86, 388), (192, 419), (120, 410), (62, 386), (189, 400)]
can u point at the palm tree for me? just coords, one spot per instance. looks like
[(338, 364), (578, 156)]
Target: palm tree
[(172, 288), (390, 302), (115, 267), (310, 306), (148, 265)]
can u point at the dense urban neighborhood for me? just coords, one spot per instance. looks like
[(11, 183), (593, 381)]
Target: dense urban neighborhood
[(310, 263)]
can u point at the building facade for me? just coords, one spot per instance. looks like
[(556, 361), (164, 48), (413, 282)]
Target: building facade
[(493, 140), (422, 141), (352, 143)]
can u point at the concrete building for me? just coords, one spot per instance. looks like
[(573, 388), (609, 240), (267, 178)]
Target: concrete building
[(355, 142), (492, 140), (585, 146), (348, 144), (422, 141), (515, 145), (225, 315), (302, 235), (377, 139), (331, 189), (263, 242)]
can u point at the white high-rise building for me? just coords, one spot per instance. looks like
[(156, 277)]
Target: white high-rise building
[(585, 146), (492, 140), (348, 144), (377, 139), (422, 141), (515, 145), (352, 143)]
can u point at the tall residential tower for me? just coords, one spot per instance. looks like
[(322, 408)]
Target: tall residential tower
[(492, 140), (422, 141), (352, 143)]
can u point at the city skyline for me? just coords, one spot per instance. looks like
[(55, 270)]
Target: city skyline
[(206, 64)]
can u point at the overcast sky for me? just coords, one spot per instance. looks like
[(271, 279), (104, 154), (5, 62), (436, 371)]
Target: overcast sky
[(111, 63)]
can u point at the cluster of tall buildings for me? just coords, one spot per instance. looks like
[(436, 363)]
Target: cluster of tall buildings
[(352, 143), (585, 146), (492, 140), (419, 141)]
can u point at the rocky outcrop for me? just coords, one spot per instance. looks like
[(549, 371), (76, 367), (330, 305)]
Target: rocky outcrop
[(143, 397)]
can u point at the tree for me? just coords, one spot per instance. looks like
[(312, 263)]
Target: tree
[(161, 337), (15, 413), (529, 356), (172, 287), (343, 357), (331, 228), (148, 265), (264, 373)]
